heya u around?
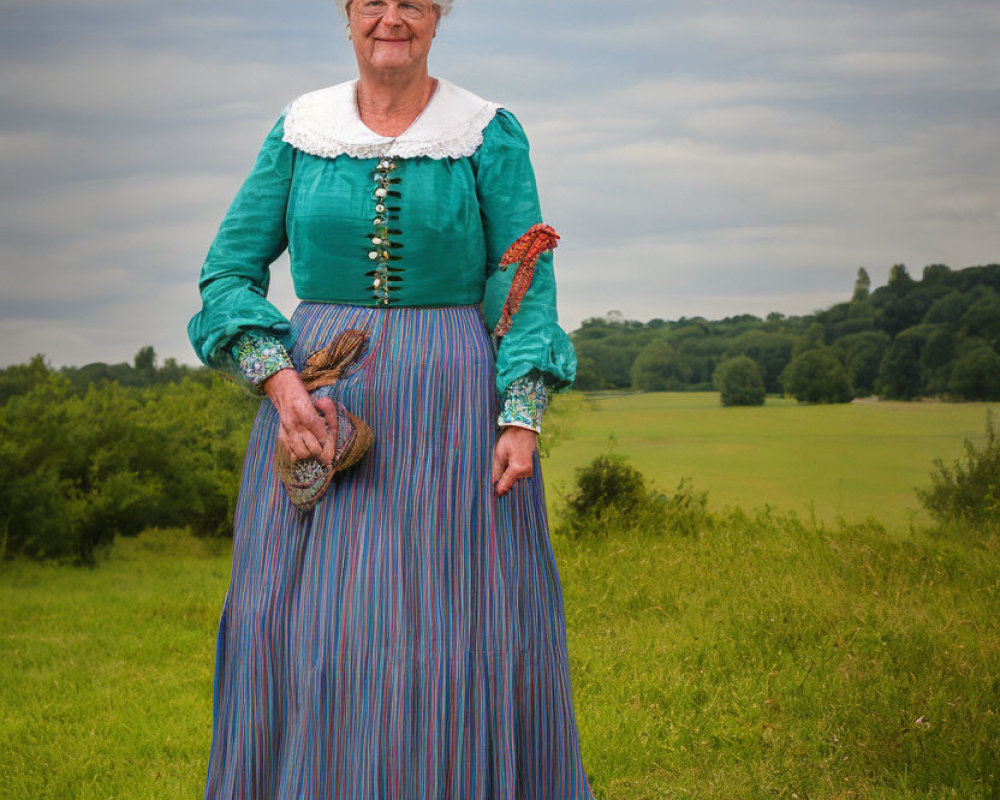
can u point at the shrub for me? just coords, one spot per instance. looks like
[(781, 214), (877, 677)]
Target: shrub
[(77, 470), (739, 381), (968, 491), (611, 496), (817, 376), (685, 511), (609, 492), (771, 352)]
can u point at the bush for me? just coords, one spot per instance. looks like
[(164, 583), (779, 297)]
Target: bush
[(611, 496), (740, 382), (969, 491), (817, 376), (771, 352), (685, 511), (77, 470)]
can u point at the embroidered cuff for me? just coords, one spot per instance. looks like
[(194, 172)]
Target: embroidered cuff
[(524, 403), (259, 357)]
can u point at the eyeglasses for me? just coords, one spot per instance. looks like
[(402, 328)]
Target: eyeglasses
[(373, 9)]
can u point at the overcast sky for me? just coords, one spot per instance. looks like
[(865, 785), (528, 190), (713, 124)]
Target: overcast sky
[(697, 158)]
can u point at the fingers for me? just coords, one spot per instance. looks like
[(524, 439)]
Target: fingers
[(499, 462), (303, 427), (315, 433), (327, 408), (512, 460), (514, 472), (303, 441), (295, 442)]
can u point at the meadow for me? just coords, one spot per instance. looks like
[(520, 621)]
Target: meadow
[(762, 655), (851, 460)]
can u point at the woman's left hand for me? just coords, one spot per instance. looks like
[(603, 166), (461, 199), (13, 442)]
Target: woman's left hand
[(512, 457)]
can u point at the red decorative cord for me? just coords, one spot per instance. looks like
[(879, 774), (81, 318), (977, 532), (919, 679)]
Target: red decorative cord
[(524, 252)]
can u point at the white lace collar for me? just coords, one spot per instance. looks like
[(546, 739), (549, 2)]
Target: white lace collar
[(326, 123)]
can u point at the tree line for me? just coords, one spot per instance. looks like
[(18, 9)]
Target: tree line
[(936, 336), (87, 453)]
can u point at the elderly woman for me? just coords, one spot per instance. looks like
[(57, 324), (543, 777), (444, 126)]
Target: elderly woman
[(400, 632)]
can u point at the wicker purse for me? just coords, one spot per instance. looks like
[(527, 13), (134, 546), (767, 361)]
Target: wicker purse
[(306, 480)]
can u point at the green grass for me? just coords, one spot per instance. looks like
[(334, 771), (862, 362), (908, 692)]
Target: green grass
[(770, 658), (854, 460), (106, 673), (762, 658), (765, 656)]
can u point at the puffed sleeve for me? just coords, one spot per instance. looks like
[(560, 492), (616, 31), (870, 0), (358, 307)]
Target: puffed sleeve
[(536, 348), (237, 329)]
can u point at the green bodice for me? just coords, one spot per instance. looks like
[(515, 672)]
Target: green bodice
[(413, 231)]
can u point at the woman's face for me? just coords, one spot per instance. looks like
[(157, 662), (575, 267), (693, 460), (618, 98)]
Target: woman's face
[(392, 35)]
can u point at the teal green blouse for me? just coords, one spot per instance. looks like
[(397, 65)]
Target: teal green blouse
[(417, 231)]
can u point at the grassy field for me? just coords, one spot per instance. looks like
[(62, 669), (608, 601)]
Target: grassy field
[(765, 656), (761, 658), (855, 460)]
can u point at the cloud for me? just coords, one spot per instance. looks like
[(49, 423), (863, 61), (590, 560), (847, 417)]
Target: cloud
[(742, 157)]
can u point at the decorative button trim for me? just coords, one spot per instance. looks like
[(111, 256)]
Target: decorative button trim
[(382, 237)]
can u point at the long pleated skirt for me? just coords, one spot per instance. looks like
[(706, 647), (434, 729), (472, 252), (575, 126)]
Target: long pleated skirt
[(406, 639)]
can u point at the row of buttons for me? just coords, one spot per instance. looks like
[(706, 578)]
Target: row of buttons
[(385, 276)]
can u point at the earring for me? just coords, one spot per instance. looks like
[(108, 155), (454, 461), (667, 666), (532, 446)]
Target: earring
[(347, 31)]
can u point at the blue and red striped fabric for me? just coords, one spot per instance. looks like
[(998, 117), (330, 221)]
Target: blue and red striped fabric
[(406, 640)]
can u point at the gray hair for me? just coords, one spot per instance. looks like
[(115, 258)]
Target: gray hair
[(444, 5)]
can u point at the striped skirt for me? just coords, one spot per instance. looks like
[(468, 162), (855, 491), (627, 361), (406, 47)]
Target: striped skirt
[(406, 639)]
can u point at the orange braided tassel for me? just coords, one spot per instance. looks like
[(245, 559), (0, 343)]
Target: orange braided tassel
[(526, 250)]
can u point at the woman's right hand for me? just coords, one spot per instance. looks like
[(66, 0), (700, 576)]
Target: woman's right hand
[(302, 430)]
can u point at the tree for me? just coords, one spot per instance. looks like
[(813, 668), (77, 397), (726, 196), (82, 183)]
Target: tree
[(863, 352), (937, 273), (948, 308), (813, 339), (899, 278), (937, 359), (976, 375), (983, 317), (900, 304), (588, 378), (817, 376), (612, 347), (771, 351), (739, 381), (659, 368), (862, 287), (22, 378), (899, 373), (145, 360)]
